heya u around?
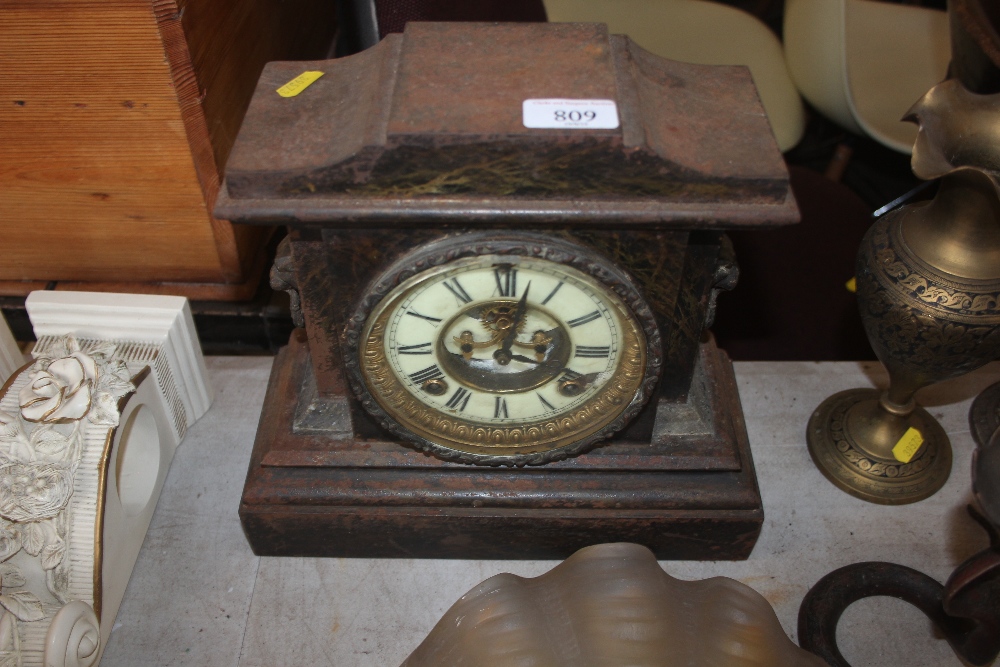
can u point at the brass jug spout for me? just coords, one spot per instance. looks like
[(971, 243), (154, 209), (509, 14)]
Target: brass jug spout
[(958, 129)]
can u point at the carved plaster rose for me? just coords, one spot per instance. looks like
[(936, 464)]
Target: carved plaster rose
[(34, 491), (60, 393)]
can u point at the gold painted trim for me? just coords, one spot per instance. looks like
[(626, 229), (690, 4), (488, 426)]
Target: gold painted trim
[(102, 485)]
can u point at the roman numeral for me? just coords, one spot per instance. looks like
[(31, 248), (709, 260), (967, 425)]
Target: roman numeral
[(552, 293), (459, 399), (548, 406), (506, 277), (583, 319), (435, 320), (456, 288), (429, 373), (500, 408), (569, 375), (420, 348), (593, 351)]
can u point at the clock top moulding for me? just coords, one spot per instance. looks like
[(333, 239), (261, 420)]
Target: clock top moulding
[(426, 127)]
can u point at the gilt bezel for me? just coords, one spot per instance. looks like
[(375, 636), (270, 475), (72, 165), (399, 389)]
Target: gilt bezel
[(567, 434)]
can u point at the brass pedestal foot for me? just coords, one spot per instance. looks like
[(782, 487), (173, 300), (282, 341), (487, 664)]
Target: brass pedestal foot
[(851, 439)]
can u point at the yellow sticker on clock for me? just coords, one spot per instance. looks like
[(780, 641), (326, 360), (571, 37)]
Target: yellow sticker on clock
[(299, 83), (908, 445), (852, 285)]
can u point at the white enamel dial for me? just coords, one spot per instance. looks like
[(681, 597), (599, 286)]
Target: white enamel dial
[(505, 351), (565, 347)]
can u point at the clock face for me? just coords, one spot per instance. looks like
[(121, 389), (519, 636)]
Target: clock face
[(502, 356)]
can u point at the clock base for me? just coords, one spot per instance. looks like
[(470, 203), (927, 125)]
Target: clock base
[(680, 481)]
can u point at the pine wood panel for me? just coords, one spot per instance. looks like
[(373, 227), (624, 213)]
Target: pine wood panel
[(112, 139), (95, 167)]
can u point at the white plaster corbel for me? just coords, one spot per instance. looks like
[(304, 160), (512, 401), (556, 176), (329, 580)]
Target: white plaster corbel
[(149, 329), (87, 434)]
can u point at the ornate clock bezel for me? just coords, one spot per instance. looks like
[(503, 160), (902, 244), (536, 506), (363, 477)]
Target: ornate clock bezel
[(521, 244)]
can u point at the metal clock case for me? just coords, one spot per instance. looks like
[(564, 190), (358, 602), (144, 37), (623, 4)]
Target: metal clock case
[(446, 397), (516, 350)]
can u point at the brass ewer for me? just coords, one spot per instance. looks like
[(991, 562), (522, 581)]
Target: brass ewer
[(928, 278)]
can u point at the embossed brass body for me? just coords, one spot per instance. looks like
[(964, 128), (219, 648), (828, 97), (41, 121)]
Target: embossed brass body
[(929, 293)]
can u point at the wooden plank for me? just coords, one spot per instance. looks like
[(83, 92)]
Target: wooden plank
[(109, 164), (189, 96), (96, 173)]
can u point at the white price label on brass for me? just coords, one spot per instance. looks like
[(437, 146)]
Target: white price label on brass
[(570, 114)]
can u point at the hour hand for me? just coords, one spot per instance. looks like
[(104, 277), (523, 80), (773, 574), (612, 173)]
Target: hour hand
[(522, 307), (571, 383), (524, 359)]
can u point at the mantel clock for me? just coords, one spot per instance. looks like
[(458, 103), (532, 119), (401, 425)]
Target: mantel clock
[(505, 243)]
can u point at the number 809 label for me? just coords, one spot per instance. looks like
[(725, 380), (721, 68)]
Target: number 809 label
[(570, 114)]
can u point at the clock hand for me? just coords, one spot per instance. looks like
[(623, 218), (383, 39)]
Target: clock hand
[(503, 355), (581, 382), (524, 359)]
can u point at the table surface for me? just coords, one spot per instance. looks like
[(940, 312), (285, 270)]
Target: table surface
[(199, 596)]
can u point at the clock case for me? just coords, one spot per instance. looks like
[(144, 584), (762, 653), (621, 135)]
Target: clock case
[(418, 141)]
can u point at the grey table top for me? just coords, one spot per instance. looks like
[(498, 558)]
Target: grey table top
[(199, 596)]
